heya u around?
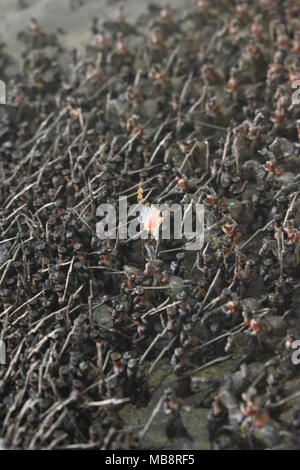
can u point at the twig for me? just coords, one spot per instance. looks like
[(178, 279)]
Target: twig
[(211, 363), (151, 418), (161, 354), (158, 147), (68, 278), (110, 401), (255, 235), (157, 337)]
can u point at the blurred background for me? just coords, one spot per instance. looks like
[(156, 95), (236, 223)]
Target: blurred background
[(73, 16)]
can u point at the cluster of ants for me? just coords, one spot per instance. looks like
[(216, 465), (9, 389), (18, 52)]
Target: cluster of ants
[(189, 106)]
